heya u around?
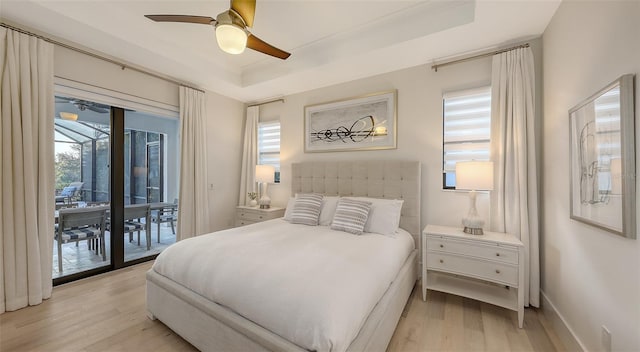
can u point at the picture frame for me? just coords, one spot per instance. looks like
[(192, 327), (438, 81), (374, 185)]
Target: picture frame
[(367, 122), (602, 156)]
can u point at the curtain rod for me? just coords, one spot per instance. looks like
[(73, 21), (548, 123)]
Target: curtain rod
[(117, 63), (267, 102), (455, 61)]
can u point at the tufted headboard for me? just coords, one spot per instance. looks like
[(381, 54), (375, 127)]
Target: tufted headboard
[(393, 179)]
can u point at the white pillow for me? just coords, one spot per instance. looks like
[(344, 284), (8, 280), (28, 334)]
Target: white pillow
[(384, 216), (289, 209), (329, 205)]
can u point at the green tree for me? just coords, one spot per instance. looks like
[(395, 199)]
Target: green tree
[(68, 167)]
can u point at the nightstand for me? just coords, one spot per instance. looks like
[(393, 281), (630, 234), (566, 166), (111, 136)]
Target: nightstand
[(250, 215), (487, 268)]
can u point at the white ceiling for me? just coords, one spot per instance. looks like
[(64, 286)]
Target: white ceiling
[(329, 41)]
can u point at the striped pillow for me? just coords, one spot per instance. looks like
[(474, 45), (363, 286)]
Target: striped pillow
[(306, 209), (351, 215)]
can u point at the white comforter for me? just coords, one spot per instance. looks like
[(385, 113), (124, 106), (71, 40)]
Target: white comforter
[(309, 284)]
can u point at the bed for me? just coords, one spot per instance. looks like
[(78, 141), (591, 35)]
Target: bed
[(188, 305)]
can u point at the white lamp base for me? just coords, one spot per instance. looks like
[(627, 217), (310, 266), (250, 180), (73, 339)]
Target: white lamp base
[(265, 201), (472, 222), (473, 230)]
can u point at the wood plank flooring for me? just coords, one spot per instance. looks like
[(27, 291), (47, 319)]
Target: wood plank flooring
[(107, 313), (452, 323)]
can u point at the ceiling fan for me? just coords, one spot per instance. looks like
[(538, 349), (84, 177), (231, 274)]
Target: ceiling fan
[(83, 105), (231, 28)]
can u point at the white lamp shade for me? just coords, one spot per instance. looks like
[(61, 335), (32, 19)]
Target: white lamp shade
[(265, 173), (231, 38), (474, 175)]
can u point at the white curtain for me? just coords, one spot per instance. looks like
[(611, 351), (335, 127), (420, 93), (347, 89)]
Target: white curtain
[(27, 173), (193, 209), (249, 155), (514, 202)]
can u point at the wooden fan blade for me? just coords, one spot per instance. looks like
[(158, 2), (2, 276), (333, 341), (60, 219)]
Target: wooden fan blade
[(181, 18), (257, 44), (246, 9)]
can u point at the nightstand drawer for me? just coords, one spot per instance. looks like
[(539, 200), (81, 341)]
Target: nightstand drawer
[(500, 253), (249, 215), (252, 216), (241, 222), (481, 269)]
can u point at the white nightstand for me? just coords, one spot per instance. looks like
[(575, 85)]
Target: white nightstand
[(250, 215), (488, 268)]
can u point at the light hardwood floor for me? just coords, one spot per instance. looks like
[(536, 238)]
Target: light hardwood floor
[(107, 313), (452, 323)]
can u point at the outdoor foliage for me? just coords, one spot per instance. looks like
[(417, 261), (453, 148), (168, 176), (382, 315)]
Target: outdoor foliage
[(68, 167)]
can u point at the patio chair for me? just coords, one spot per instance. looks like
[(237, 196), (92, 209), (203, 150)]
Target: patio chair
[(166, 213), (79, 224), (70, 192), (133, 215)]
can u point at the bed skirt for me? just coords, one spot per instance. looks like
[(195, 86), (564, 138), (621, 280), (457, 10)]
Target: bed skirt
[(211, 327)]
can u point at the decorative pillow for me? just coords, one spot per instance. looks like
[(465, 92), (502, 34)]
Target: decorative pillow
[(306, 209), (351, 215), (384, 217), (68, 191), (329, 205), (289, 209)]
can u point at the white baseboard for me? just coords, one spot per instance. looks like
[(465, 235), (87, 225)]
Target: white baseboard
[(566, 335)]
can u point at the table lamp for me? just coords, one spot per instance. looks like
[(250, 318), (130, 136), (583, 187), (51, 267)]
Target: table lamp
[(265, 174), (474, 176)]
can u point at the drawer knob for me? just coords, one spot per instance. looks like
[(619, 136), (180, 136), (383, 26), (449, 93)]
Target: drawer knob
[(260, 216), (497, 254), (441, 261), (497, 271), (442, 246)]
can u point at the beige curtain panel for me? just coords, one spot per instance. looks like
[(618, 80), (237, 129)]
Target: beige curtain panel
[(249, 155), (26, 170), (193, 209), (514, 201)]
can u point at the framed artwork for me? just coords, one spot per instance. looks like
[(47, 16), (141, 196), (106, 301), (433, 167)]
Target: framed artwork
[(602, 150), (359, 123)]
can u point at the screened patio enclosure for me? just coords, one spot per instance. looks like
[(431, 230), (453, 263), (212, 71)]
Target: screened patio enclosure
[(85, 149), (141, 215)]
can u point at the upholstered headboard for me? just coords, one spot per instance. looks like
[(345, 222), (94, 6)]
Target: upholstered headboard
[(391, 179)]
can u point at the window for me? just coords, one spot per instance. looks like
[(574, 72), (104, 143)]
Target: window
[(269, 145), (466, 130)]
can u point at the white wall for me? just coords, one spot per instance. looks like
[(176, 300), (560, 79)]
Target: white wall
[(419, 130), (592, 277), (225, 118), (82, 68)]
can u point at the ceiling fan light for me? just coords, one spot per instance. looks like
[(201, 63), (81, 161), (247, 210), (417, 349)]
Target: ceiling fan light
[(68, 116), (231, 39)]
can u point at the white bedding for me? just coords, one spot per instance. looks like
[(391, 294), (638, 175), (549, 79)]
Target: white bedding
[(309, 284)]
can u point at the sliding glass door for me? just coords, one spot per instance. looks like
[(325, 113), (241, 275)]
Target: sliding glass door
[(151, 187), (119, 162), (82, 150)]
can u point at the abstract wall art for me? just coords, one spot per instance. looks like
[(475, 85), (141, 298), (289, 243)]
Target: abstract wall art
[(360, 123), (602, 149)]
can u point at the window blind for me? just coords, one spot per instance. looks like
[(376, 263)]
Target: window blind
[(269, 144), (466, 129)]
